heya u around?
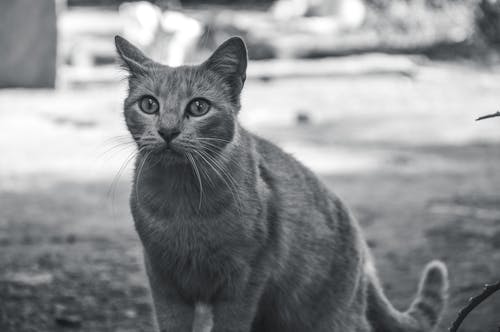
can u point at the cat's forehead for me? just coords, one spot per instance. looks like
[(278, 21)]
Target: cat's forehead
[(182, 81)]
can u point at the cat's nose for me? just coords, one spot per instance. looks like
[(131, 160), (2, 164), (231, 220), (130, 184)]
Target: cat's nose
[(168, 134)]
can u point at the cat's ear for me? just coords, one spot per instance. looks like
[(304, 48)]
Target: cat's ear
[(230, 61), (133, 59)]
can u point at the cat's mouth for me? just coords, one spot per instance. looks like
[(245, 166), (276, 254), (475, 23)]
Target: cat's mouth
[(172, 149), (168, 152), (172, 152)]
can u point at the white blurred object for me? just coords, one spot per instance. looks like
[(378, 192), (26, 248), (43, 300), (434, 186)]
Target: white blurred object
[(353, 13), (141, 21), (166, 37), (321, 15), (288, 9), (185, 32)]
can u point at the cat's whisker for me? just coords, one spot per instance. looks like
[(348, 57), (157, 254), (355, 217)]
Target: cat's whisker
[(210, 144), (193, 149), (216, 148), (207, 147), (225, 176), (205, 172), (121, 141), (117, 138), (217, 172), (111, 144), (129, 158), (224, 169), (213, 139), (216, 154), (117, 148), (195, 169), (221, 155), (139, 174), (112, 190)]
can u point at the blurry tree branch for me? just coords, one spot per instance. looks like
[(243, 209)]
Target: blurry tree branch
[(488, 290), (488, 116)]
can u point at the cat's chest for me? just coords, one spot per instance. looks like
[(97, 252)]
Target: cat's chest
[(176, 235), (183, 232), (198, 253)]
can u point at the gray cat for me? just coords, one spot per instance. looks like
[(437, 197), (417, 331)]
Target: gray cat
[(239, 236)]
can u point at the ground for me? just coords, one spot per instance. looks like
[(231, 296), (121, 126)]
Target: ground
[(402, 149)]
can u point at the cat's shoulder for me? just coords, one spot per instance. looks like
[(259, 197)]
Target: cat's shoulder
[(270, 152), (268, 149), (275, 159)]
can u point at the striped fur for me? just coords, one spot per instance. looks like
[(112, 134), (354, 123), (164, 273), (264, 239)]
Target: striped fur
[(425, 310)]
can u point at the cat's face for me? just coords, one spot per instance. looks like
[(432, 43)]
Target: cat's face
[(187, 111)]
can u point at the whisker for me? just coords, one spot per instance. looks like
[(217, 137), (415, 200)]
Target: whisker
[(207, 149), (129, 158), (205, 172), (195, 168), (139, 174), (112, 189), (225, 176), (117, 138), (212, 139), (216, 170), (221, 155), (193, 149), (117, 148)]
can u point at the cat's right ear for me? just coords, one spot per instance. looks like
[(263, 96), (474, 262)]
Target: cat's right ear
[(230, 60), (133, 59)]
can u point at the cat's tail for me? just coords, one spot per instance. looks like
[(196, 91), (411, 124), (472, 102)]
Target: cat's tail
[(424, 312)]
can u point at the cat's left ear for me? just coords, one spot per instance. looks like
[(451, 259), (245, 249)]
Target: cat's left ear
[(230, 61), (133, 59)]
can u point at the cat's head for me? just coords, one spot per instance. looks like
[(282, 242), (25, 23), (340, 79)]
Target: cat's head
[(177, 111)]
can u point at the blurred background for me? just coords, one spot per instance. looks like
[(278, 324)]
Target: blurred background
[(378, 97)]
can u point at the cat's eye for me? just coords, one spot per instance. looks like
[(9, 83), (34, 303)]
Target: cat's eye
[(149, 104), (198, 107)]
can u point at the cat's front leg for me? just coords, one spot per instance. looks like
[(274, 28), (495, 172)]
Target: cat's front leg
[(171, 312), (235, 311), (235, 308), (234, 316)]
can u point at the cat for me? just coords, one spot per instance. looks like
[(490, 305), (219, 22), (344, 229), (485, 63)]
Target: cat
[(238, 236)]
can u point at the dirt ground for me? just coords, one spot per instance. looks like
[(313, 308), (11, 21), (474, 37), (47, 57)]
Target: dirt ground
[(403, 151)]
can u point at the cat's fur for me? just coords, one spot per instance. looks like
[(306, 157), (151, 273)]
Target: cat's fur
[(249, 239)]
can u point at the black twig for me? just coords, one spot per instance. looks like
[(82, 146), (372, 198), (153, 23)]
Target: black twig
[(494, 115), (488, 290)]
